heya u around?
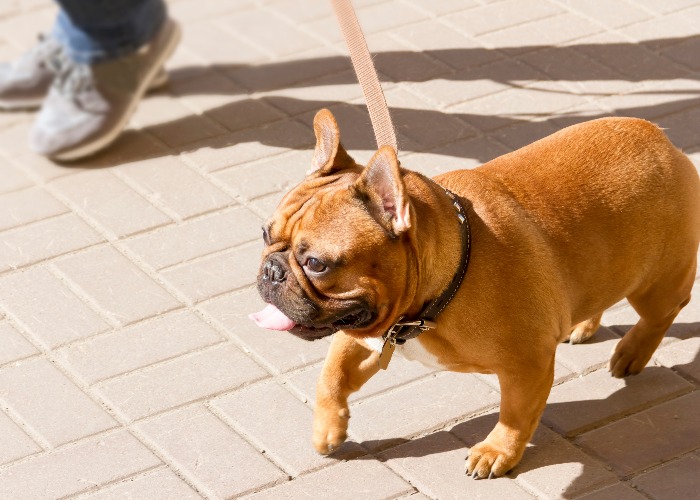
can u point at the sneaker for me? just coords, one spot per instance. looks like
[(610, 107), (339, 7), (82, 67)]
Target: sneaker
[(25, 82), (88, 106)]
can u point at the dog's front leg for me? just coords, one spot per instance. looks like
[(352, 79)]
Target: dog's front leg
[(349, 364), (524, 395)]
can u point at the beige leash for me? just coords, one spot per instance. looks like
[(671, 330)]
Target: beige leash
[(366, 74)]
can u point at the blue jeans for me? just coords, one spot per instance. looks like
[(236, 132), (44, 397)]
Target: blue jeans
[(97, 30)]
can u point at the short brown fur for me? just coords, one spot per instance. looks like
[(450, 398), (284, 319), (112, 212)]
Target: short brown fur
[(561, 229)]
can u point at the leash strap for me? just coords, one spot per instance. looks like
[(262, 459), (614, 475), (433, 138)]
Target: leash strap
[(366, 74)]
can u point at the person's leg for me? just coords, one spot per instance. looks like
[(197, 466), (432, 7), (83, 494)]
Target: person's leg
[(114, 51), (96, 30)]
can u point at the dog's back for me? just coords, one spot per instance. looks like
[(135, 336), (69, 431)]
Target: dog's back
[(615, 203)]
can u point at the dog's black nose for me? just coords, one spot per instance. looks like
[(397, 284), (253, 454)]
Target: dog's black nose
[(274, 272)]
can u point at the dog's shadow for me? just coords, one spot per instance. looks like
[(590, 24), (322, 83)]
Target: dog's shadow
[(546, 447)]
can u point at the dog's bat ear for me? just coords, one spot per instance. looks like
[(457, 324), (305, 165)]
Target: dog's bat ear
[(382, 189), (329, 155)]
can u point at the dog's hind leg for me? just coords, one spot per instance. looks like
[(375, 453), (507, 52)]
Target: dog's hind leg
[(657, 305), (584, 330)]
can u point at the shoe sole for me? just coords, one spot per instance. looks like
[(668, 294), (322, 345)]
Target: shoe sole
[(148, 82), (27, 105)]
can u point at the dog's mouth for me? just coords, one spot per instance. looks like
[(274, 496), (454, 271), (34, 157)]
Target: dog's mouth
[(272, 318)]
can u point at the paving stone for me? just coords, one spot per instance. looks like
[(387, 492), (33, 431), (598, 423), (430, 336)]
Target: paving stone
[(347, 480), (649, 437), (441, 455), (268, 176), (278, 38), (109, 279), (400, 372), (677, 125), (446, 44), (434, 130), (162, 484), (501, 15), (590, 355), (45, 307), (683, 357), (449, 395), (618, 491), (613, 14), (12, 345), (72, 469), (314, 66), (281, 351), (208, 91), (49, 403), (550, 468), (39, 241), (184, 379), (396, 60), (213, 45), (110, 202), (633, 60), (684, 53), (256, 411), (311, 93), (579, 72), (677, 479), (12, 179), (676, 25), (221, 463), (478, 81), (592, 400), (167, 181), (196, 10), (246, 113), (554, 30), (466, 81), (14, 442), (216, 274), (543, 99), (140, 345), (244, 146), (28, 205), (183, 128), (195, 238)]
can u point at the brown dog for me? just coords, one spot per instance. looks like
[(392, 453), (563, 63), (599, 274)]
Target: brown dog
[(560, 230)]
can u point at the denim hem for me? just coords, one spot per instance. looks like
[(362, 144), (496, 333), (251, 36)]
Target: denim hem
[(99, 42)]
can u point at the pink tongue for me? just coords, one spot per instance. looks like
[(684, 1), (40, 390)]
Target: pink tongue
[(272, 319)]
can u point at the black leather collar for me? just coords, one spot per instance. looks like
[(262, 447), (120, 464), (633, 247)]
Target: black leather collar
[(404, 329)]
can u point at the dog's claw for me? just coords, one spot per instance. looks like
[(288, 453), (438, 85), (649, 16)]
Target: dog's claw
[(475, 474), (491, 475)]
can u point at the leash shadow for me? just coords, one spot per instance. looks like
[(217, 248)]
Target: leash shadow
[(280, 120)]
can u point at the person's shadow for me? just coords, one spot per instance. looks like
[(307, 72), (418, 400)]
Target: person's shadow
[(283, 121), (560, 433)]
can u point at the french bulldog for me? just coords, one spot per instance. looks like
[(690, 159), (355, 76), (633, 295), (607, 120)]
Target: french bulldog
[(558, 231)]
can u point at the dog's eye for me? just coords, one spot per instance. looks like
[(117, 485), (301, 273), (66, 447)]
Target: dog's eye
[(315, 265)]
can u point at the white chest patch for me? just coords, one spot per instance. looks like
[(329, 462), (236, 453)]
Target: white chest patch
[(412, 350)]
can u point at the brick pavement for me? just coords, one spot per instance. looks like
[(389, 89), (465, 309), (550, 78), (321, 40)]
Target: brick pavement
[(128, 368)]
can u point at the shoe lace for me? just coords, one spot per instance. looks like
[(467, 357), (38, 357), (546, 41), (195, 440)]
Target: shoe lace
[(72, 78), (48, 52)]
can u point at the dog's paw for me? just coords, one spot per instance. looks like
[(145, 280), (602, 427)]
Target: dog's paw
[(486, 461), (627, 359), (583, 331), (330, 429)]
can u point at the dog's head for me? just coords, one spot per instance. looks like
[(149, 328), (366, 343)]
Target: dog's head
[(337, 249)]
